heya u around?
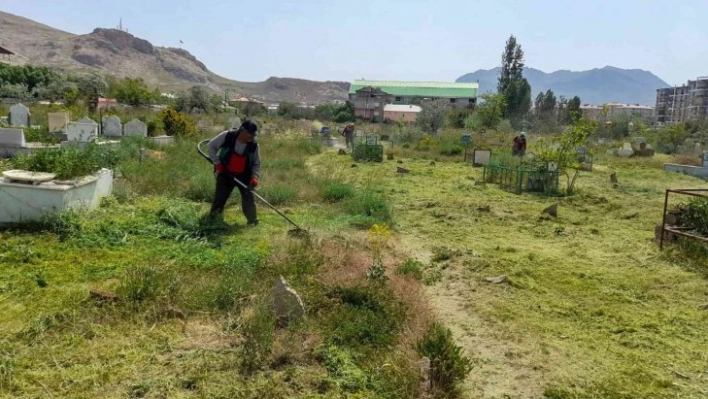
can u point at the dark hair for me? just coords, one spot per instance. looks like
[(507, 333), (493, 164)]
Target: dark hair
[(250, 127)]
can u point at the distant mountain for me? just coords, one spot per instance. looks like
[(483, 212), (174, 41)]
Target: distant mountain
[(596, 86), (118, 53)]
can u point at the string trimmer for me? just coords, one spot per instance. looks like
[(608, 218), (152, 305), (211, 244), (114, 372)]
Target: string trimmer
[(296, 232)]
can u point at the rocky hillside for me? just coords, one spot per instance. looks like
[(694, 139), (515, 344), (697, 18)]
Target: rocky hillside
[(595, 86), (118, 53)]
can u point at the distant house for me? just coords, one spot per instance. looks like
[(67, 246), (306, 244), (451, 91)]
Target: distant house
[(401, 112), (596, 112), (370, 96), (104, 102), (6, 54)]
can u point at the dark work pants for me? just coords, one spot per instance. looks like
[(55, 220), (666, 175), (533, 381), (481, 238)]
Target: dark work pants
[(349, 137), (224, 186)]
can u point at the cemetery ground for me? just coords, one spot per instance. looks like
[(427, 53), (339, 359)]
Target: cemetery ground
[(579, 306), (589, 306)]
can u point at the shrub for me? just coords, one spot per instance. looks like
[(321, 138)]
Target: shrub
[(366, 316), (411, 267), (448, 365), (177, 124), (694, 215), (333, 191), (258, 332)]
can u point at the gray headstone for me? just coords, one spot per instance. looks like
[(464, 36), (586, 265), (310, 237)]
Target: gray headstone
[(83, 130), (136, 127), (19, 115), (57, 121), (482, 157), (12, 137), (705, 159), (112, 126), (286, 302)]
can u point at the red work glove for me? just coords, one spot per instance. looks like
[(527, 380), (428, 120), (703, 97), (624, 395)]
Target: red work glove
[(254, 181), (218, 168)]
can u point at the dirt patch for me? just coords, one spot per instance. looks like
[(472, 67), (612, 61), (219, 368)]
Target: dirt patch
[(504, 365)]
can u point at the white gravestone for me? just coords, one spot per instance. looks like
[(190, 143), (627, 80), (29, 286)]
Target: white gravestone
[(83, 130), (112, 126), (481, 157), (19, 115), (57, 121), (12, 137), (136, 127), (626, 150)]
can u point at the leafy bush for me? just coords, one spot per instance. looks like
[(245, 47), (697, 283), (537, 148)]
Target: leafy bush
[(448, 365), (333, 191), (40, 135), (177, 124)]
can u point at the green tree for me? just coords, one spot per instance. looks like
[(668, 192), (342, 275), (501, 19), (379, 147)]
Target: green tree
[(488, 113), (518, 102), (288, 110), (431, 118), (672, 136), (574, 111), (512, 65), (198, 99), (512, 84), (132, 92)]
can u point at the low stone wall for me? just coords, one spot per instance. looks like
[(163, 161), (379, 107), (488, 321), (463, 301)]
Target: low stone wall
[(688, 170)]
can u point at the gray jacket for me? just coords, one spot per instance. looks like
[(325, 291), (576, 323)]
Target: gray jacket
[(239, 148)]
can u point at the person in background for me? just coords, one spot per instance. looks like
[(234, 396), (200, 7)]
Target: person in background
[(518, 149), (348, 133), (235, 155)]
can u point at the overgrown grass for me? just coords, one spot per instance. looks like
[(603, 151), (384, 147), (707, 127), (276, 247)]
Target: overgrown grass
[(194, 292)]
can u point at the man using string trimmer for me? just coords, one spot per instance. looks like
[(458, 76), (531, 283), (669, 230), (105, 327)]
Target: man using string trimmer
[(235, 155)]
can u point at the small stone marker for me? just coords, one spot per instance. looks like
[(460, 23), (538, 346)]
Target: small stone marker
[(12, 137), (57, 121), (613, 178), (551, 210), (112, 126), (432, 163), (341, 152), (19, 115), (402, 170), (389, 157), (497, 280), (83, 130), (136, 127), (286, 302)]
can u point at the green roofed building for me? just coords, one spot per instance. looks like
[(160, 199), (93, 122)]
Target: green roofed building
[(370, 96)]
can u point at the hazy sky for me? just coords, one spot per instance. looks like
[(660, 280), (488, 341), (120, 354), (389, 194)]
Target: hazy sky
[(402, 40)]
